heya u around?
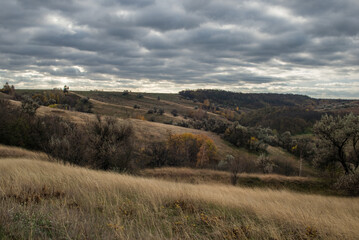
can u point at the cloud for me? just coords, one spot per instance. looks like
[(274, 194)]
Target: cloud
[(168, 45)]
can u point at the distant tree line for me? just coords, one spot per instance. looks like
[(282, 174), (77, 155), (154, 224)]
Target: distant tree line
[(246, 100), (295, 119)]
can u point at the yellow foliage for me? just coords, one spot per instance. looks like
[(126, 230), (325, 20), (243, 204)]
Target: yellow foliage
[(53, 105), (140, 117), (205, 147), (206, 103)]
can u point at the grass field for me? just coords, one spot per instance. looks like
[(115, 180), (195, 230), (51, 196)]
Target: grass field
[(46, 200)]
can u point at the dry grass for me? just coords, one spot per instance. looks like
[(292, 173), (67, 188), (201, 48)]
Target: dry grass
[(205, 175), (48, 200), (272, 181), (16, 152)]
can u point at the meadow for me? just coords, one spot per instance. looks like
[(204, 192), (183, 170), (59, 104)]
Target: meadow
[(46, 200)]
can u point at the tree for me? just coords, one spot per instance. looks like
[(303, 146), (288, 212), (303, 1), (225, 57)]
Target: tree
[(8, 89), (29, 106), (192, 150), (66, 89), (234, 167), (265, 163), (111, 143), (338, 141)]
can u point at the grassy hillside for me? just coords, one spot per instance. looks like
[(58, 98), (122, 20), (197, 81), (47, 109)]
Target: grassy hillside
[(119, 105), (148, 132), (43, 200), (271, 181)]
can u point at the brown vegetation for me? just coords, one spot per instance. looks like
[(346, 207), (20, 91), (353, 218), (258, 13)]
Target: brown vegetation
[(48, 200)]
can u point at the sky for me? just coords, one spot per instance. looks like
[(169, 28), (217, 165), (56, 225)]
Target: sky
[(281, 46)]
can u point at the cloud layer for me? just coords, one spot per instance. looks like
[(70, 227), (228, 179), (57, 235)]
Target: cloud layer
[(306, 47)]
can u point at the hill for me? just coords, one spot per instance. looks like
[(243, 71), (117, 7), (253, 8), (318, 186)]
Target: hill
[(148, 132), (45, 200)]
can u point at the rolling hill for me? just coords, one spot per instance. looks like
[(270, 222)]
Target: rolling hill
[(49, 200)]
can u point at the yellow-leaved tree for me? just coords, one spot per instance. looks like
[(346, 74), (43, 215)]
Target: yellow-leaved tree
[(187, 149)]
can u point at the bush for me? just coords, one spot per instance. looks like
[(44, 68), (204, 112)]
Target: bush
[(7, 89), (157, 154), (160, 111), (265, 163), (174, 112), (29, 106), (84, 105), (103, 144), (191, 150), (110, 143), (348, 183)]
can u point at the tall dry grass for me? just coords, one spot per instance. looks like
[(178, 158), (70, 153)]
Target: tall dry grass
[(49, 200)]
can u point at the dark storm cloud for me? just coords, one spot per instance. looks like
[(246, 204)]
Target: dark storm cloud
[(227, 43)]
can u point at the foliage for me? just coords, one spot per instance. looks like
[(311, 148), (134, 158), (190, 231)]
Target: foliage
[(188, 149), (102, 144), (29, 106), (349, 184), (174, 112), (60, 99), (185, 149), (265, 163), (234, 166), (248, 100), (338, 141), (84, 105), (111, 144), (252, 139), (295, 119), (7, 89)]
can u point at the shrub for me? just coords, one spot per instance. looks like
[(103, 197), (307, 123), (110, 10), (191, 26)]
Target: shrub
[(265, 163), (84, 105), (29, 106), (348, 183), (160, 111), (157, 154), (111, 144), (7, 89), (174, 112), (191, 150)]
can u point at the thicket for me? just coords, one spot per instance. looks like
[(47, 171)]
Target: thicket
[(294, 119), (187, 149), (207, 124), (103, 144), (7, 89), (338, 142), (253, 139), (247, 100), (59, 99)]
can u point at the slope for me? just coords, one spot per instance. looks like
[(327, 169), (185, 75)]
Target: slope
[(44, 200)]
